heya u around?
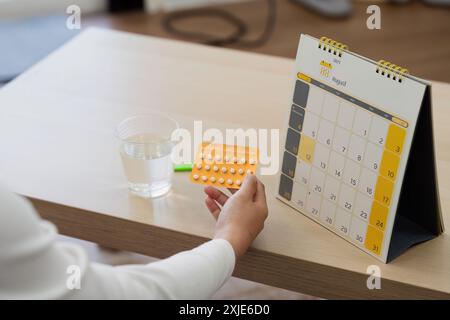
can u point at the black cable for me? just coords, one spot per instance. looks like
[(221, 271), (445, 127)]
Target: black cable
[(268, 29), (171, 18), (235, 38)]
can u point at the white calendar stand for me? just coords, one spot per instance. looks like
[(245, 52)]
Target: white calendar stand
[(358, 157)]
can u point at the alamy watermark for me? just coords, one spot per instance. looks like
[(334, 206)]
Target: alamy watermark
[(374, 279), (373, 22), (73, 281), (266, 140), (73, 21)]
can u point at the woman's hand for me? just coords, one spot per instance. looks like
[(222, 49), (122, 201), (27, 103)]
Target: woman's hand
[(240, 217)]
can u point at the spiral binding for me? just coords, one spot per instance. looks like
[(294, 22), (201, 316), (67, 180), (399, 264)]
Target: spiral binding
[(332, 46), (391, 70)]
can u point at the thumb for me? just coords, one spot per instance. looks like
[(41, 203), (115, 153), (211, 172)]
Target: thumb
[(249, 186)]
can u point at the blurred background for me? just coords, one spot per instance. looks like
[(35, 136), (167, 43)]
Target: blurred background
[(414, 34)]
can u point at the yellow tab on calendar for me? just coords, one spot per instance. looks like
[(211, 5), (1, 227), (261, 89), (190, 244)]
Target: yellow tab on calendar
[(374, 240), (389, 165), (383, 191), (378, 215), (400, 122), (395, 138), (303, 77), (307, 149)]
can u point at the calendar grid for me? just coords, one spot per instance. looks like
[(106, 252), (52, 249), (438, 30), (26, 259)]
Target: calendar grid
[(320, 139)]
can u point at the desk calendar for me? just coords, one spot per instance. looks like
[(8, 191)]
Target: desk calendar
[(358, 153)]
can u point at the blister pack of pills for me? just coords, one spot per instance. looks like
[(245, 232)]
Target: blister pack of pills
[(223, 165)]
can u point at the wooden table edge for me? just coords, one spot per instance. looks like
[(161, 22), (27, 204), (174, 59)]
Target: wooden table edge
[(257, 265)]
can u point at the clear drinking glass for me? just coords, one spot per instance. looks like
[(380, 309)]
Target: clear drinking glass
[(145, 149)]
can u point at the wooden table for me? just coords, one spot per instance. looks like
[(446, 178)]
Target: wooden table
[(58, 149)]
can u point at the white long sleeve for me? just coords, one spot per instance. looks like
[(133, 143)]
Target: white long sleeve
[(34, 266)]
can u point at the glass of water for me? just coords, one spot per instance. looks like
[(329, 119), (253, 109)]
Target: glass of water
[(145, 149)]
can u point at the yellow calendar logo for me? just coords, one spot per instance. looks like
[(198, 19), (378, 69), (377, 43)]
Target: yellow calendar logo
[(324, 72), (325, 68)]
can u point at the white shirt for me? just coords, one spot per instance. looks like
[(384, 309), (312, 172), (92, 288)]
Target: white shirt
[(34, 266)]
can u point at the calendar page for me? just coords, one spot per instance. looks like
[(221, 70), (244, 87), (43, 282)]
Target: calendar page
[(347, 143)]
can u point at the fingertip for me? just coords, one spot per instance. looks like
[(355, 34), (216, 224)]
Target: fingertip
[(209, 190), (250, 178), (210, 203), (260, 191), (212, 206), (249, 185), (216, 195)]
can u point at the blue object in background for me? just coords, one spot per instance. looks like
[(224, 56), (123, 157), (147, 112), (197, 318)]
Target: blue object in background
[(24, 42)]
